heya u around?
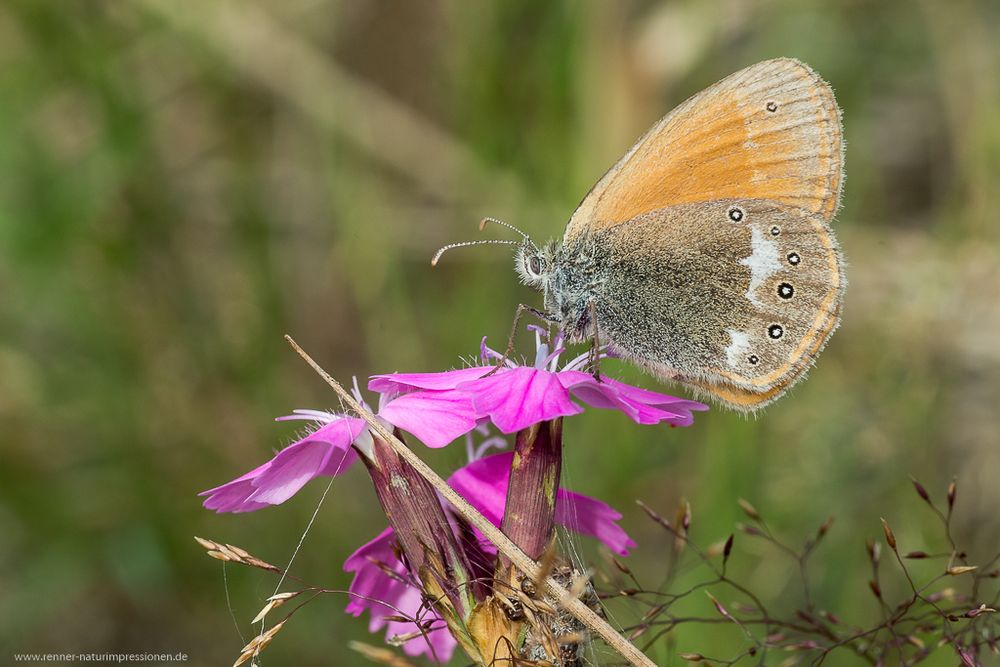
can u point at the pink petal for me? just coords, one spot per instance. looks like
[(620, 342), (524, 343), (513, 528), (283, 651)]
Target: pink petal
[(438, 637), (370, 581), (296, 465), (517, 398), (398, 382), (589, 516), (381, 595), (596, 394), (435, 417), (233, 499), (655, 399), (233, 496), (326, 451), (601, 395), (641, 405), (484, 484)]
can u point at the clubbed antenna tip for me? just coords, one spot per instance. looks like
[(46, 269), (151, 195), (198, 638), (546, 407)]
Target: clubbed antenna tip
[(487, 220)]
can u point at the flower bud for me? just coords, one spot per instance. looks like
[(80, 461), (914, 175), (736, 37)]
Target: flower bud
[(529, 517)]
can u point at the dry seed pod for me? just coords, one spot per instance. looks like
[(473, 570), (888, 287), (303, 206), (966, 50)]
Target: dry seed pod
[(890, 538), (748, 509)]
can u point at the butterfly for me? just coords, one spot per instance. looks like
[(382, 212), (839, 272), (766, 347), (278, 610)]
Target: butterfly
[(705, 254)]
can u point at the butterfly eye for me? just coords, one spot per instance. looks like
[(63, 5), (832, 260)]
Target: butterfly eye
[(535, 265)]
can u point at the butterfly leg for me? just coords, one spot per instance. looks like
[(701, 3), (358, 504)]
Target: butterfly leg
[(594, 360), (522, 308)]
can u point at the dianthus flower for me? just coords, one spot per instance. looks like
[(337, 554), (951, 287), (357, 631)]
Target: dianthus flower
[(431, 579)]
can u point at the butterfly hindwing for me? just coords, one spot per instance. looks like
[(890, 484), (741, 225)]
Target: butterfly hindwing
[(732, 296)]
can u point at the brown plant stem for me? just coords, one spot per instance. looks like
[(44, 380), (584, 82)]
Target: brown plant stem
[(504, 545)]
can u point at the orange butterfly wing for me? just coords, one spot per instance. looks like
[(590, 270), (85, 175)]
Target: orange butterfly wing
[(770, 131)]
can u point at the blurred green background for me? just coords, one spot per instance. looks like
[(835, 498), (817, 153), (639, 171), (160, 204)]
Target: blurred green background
[(183, 183)]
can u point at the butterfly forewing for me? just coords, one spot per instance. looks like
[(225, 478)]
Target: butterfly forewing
[(770, 131)]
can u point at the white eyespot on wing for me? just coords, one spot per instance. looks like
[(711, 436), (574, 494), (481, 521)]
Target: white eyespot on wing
[(738, 347), (763, 262)]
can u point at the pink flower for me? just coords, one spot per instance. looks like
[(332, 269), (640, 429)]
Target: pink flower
[(439, 407), (435, 418), (484, 484), (384, 595), (516, 397), (325, 451)]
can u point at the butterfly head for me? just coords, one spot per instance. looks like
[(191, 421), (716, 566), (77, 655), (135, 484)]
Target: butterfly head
[(561, 280), (535, 265)]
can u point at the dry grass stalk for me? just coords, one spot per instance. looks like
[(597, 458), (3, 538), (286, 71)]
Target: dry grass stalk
[(233, 554), (258, 644), (272, 602)]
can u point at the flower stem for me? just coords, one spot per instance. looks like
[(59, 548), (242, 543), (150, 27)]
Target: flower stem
[(504, 545)]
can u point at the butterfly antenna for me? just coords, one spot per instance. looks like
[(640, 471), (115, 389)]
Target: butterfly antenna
[(437, 255), (485, 221)]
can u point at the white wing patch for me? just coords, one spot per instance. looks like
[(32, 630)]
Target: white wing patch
[(763, 262), (738, 347)]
